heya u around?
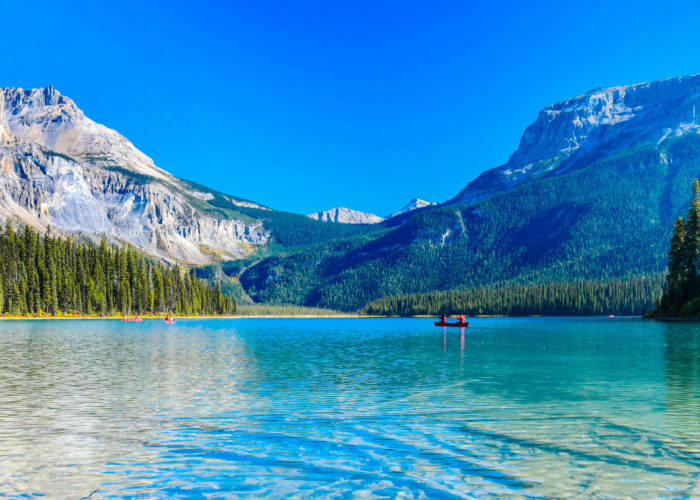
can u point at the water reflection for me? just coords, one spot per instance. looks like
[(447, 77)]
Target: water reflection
[(461, 348), (682, 366)]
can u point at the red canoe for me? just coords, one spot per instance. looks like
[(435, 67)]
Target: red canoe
[(169, 321), (444, 323)]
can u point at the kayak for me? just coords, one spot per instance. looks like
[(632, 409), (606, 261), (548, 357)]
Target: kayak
[(132, 319), (444, 323), (170, 321)]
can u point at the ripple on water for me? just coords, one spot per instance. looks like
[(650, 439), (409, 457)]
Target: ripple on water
[(516, 408)]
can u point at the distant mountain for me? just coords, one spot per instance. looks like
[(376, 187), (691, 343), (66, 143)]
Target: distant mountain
[(345, 216), (414, 204), (591, 193), (348, 216)]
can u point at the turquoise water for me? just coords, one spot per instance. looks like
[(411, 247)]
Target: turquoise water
[(350, 407)]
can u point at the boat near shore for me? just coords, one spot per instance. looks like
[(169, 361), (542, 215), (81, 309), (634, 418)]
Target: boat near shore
[(458, 323), (135, 318), (461, 321)]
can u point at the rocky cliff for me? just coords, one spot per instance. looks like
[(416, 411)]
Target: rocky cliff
[(4, 126), (60, 168)]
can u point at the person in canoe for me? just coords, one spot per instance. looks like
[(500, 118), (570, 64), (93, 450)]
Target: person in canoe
[(461, 321)]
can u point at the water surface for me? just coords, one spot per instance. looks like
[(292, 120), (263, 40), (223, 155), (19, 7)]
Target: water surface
[(350, 407)]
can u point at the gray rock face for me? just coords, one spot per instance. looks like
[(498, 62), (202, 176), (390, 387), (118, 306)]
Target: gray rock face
[(4, 126), (590, 126), (346, 216), (46, 117), (59, 168)]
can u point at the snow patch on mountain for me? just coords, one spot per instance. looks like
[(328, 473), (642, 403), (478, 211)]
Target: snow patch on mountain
[(414, 204)]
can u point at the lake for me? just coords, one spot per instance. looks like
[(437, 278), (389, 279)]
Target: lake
[(533, 407)]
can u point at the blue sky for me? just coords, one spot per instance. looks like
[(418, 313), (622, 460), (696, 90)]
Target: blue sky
[(304, 105)]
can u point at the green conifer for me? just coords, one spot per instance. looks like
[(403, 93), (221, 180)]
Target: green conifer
[(674, 290)]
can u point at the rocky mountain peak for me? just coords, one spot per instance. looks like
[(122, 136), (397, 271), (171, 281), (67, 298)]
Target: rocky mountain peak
[(20, 100), (414, 204), (46, 117), (345, 216), (62, 169), (590, 125)]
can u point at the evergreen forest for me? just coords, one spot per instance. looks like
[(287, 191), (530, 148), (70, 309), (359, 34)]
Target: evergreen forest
[(681, 295), (633, 296), (43, 274)]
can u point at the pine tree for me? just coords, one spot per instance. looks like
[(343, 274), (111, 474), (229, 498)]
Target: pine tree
[(692, 241), (674, 291), (55, 275)]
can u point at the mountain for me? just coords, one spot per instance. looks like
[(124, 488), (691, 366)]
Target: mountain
[(345, 216), (600, 123), (348, 216), (414, 204), (61, 169), (591, 193)]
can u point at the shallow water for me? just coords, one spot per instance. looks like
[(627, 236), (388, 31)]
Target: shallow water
[(350, 407)]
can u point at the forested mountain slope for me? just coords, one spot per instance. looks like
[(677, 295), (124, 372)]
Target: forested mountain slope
[(600, 207), (602, 122)]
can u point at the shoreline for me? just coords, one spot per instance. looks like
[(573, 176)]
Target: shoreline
[(315, 316), (689, 319), (119, 318)]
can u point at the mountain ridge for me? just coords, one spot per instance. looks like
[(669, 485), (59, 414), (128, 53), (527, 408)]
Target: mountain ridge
[(344, 215), (60, 168), (597, 122)]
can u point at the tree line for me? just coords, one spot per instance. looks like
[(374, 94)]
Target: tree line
[(631, 296), (47, 274), (681, 296)]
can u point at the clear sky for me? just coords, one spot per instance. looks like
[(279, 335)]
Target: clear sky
[(306, 105)]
